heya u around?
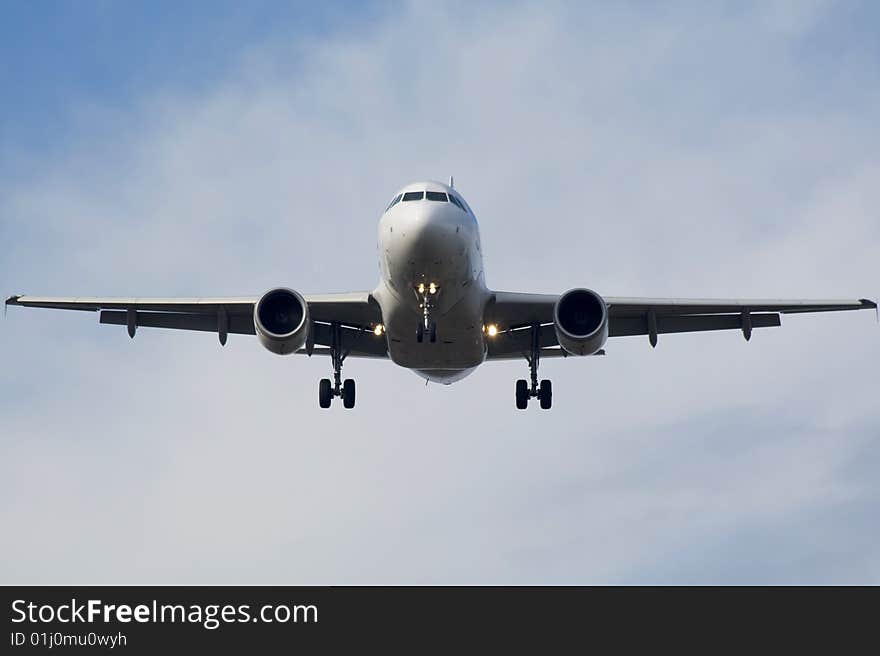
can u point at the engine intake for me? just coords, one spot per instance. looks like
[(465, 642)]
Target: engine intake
[(281, 320), (580, 318)]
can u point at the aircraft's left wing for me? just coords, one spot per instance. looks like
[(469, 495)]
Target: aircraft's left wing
[(511, 312), (356, 312)]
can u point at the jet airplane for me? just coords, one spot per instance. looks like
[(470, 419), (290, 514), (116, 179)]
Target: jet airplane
[(432, 312)]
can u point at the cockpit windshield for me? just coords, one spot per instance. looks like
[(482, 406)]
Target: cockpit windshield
[(436, 196)]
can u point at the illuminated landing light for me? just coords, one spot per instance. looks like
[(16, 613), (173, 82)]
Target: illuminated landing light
[(378, 330), (421, 288), (491, 330), (432, 288)]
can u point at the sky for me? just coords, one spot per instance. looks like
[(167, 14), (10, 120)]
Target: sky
[(639, 149)]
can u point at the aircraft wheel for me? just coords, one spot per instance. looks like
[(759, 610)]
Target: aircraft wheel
[(545, 394), (522, 394), (433, 332), (420, 333), (348, 393), (325, 393)]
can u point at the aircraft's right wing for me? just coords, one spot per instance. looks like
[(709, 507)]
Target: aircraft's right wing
[(356, 312)]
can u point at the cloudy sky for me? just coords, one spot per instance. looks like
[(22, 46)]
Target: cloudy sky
[(635, 148)]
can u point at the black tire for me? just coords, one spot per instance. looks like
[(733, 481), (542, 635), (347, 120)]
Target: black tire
[(433, 332), (522, 394), (420, 333), (545, 394), (348, 393), (325, 393)]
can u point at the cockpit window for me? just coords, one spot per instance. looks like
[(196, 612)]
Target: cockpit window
[(413, 195), (435, 195), (463, 204), (457, 202), (393, 202)]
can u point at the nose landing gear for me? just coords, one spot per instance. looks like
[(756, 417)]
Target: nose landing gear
[(430, 327), (426, 296), (525, 390), (326, 389)]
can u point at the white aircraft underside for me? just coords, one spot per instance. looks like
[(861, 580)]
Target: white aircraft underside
[(432, 312)]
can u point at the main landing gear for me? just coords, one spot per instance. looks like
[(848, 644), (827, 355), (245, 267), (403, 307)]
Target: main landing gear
[(326, 389), (526, 391)]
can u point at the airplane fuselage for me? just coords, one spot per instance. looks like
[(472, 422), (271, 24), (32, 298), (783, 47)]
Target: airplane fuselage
[(430, 254)]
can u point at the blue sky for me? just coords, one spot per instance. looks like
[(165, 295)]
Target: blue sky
[(677, 151), (58, 54)]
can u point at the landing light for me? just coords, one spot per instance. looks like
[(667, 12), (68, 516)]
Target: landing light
[(491, 330), (378, 330), (432, 288), (421, 288)]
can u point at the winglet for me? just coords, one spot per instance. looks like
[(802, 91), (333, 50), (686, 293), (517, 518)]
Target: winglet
[(12, 300), (869, 304)]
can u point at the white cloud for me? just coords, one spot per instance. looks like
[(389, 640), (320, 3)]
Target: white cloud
[(670, 152)]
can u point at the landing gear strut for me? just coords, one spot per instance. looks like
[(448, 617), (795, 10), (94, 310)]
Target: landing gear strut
[(526, 390), (426, 296), (326, 389)]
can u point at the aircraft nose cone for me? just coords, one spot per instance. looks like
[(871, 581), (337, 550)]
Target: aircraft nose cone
[(425, 241), (430, 237)]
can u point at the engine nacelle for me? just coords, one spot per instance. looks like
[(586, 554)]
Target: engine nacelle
[(281, 319), (580, 318)]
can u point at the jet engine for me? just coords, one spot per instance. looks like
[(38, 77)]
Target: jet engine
[(281, 320), (580, 318)]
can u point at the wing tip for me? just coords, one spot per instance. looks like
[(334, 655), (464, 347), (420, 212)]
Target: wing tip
[(868, 303), (13, 300)]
